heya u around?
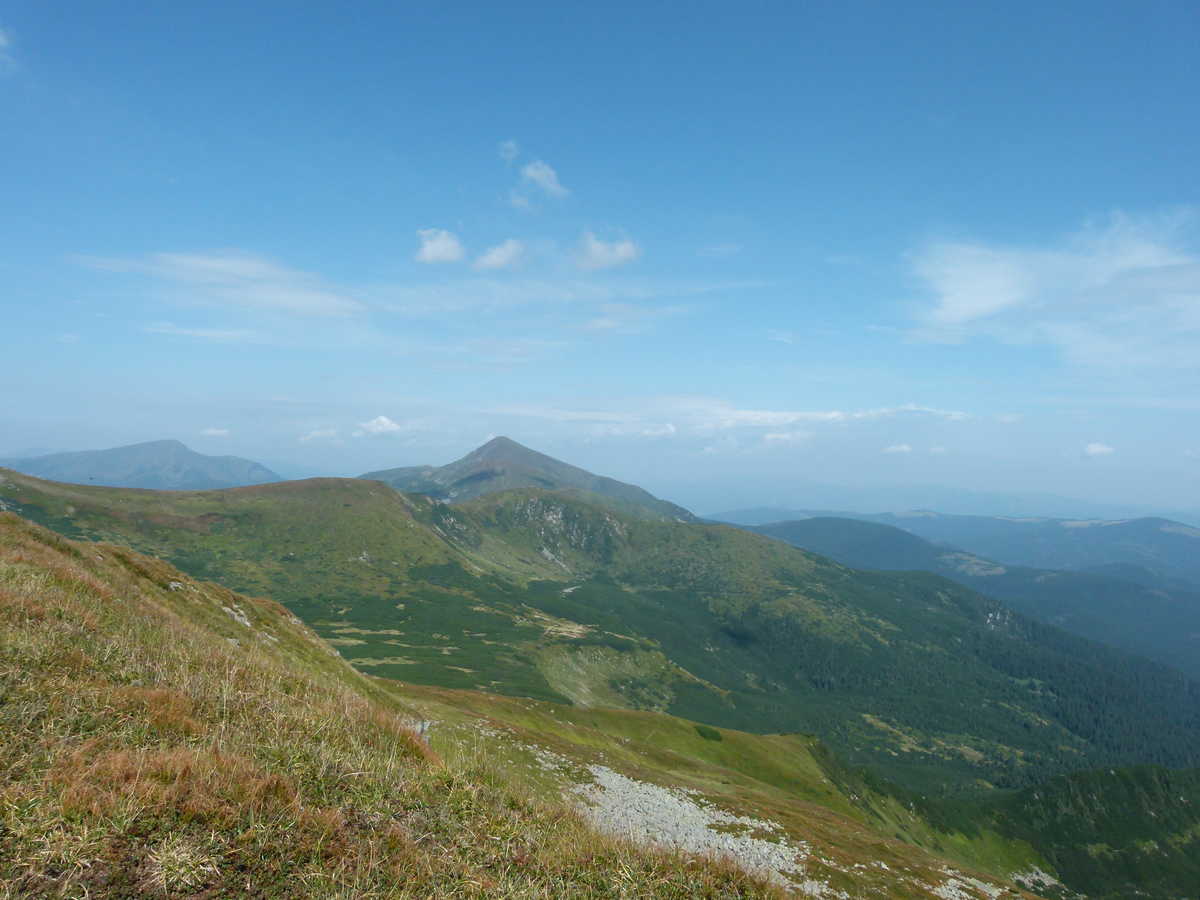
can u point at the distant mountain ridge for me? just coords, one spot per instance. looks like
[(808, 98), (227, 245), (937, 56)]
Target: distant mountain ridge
[(1164, 547), (504, 465), (166, 465), (1121, 605)]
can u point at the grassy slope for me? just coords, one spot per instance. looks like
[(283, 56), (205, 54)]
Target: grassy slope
[(538, 595), (164, 736)]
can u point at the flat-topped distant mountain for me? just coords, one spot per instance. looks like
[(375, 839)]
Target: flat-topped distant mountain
[(504, 465), (158, 465), (1122, 605), (1163, 547)]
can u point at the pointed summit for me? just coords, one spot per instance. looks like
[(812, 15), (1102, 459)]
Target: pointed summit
[(504, 465)]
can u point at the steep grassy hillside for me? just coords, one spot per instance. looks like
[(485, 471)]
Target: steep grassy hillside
[(166, 737), (159, 465), (161, 736), (539, 595), (504, 465), (1120, 605)]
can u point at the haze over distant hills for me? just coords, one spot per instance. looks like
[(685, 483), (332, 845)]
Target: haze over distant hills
[(159, 465), (1168, 549), (1122, 605), (503, 465)]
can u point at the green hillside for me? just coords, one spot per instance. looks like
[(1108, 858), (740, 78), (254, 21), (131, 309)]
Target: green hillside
[(162, 736), (545, 596), (504, 465)]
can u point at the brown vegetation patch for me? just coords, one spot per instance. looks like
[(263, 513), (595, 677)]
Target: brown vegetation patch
[(204, 785)]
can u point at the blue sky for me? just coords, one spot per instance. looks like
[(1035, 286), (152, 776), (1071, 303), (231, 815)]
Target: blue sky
[(740, 254)]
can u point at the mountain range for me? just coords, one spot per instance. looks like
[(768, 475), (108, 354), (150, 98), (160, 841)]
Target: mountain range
[(539, 594), (1143, 548), (1122, 605), (157, 465), (849, 706)]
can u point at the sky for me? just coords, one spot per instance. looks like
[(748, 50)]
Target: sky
[(866, 254)]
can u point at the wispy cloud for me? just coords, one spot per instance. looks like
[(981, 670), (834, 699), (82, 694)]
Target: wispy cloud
[(541, 174), (7, 60), (438, 246), (786, 437), (503, 256), (214, 432), (222, 335), (508, 150), (628, 318), (717, 415), (519, 200), (597, 254), (318, 434), (237, 279), (898, 448), (1095, 448), (476, 293), (1122, 292), (705, 416)]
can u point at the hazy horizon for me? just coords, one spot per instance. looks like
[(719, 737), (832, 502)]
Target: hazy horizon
[(946, 254)]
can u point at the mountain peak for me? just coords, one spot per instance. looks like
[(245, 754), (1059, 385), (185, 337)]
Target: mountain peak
[(502, 464)]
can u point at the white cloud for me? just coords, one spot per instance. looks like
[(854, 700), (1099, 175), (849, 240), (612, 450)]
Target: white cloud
[(541, 174), (1124, 292), (1095, 448), (938, 451), (234, 278), (222, 335), (781, 337), (518, 200), (438, 246), (378, 425), (215, 432), (318, 434), (597, 254), (509, 150), (898, 448), (1008, 418), (502, 256)]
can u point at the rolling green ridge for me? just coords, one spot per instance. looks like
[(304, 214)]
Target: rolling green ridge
[(1119, 605), (504, 465), (542, 595)]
